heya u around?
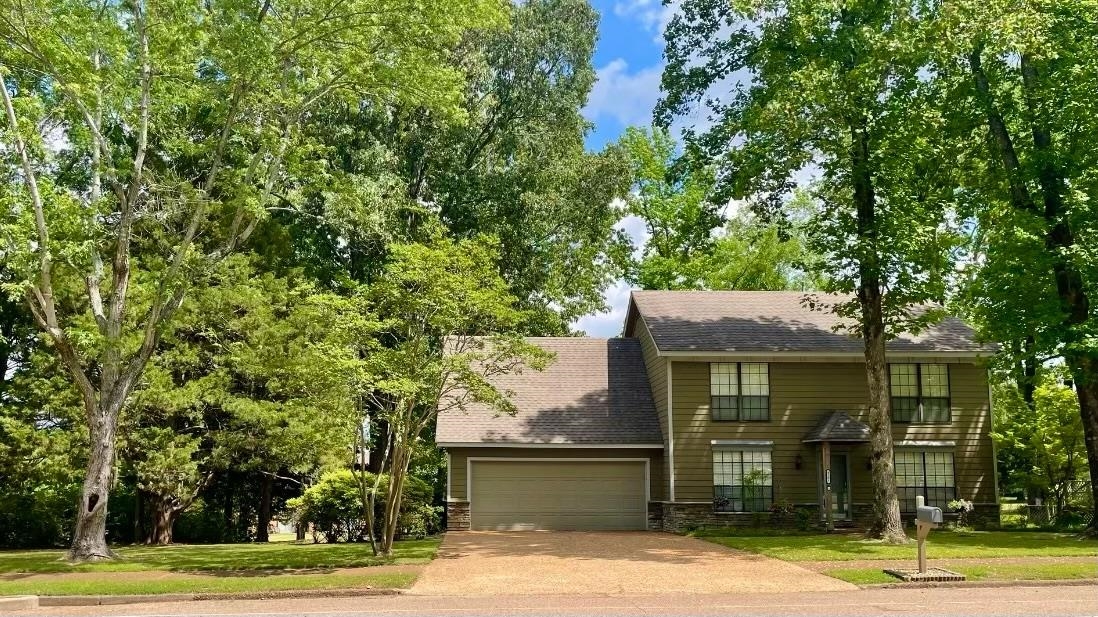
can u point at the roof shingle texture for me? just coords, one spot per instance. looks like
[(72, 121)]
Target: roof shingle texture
[(838, 426), (595, 392), (774, 321)]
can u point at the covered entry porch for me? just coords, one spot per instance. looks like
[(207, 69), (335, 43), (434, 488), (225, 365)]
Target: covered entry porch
[(835, 438)]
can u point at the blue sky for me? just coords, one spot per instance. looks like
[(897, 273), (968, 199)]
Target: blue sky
[(629, 61)]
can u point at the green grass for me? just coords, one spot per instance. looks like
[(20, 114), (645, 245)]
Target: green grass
[(941, 545), (225, 557), (982, 572), (207, 584)]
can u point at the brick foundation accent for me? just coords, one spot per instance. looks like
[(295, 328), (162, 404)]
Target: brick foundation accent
[(457, 516), (681, 517), (655, 516)]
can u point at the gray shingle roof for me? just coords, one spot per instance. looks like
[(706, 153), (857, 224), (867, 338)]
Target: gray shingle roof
[(595, 392), (774, 321), (837, 426)]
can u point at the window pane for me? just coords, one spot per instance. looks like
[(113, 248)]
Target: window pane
[(939, 469), (903, 378), (755, 408), (722, 379), (935, 380), (904, 408), (755, 379), (723, 408), (935, 410), (742, 481)]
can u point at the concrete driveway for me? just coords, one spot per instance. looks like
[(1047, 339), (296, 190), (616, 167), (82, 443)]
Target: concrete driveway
[(589, 562)]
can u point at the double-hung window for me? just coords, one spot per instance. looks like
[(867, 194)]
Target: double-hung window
[(920, 393), (742, 480), (924, 472), (739, 391)]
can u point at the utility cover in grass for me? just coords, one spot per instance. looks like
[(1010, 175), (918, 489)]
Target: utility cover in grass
[(932, 575)]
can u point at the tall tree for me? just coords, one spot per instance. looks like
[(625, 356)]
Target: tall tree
[(519, 169), (797, 85), (177, 118), (1022, 81), (691, 243), (447, 320)]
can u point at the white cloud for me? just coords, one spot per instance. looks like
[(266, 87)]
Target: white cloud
[(653, 15), (611, 322), (624, 96)]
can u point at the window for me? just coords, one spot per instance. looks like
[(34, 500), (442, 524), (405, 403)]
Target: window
[(927, 473), (742, 481), (920, 393), (739, 391)]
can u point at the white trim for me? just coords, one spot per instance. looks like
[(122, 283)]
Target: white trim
[(926, 444), (449, 477), (535, 459), (853, 356), (553, 446), (670, 428), (744, 443)]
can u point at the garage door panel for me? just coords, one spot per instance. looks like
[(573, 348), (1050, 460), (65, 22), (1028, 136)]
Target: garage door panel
[(558, 495)]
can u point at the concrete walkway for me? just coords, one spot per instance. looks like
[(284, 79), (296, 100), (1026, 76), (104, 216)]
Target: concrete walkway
[(614, 563)]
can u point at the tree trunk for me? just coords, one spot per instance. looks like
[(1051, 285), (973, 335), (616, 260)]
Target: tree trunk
[(266, 495), (89, 541), (886, 523), (1085, 373), (164, 517), (397, 473)]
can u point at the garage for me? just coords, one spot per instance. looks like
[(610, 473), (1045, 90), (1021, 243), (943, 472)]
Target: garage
[(529, 494)]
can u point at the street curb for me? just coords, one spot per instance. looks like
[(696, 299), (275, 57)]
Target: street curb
[(189, 597), (18, 603), (1073, 582)]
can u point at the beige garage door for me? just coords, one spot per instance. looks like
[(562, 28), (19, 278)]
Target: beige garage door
[(518, 495)]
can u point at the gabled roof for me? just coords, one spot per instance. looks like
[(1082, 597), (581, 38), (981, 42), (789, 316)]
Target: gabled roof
[(838, 426), (595, 392), (773, 321)]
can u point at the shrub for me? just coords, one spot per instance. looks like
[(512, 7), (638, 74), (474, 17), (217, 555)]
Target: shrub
[(334, 507)]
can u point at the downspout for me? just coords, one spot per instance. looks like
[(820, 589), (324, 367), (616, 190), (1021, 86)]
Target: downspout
[(670, 433)]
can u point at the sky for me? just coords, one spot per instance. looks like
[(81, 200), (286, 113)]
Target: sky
[(629, 61)]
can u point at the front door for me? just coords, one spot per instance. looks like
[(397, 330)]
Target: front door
[(840, 487)]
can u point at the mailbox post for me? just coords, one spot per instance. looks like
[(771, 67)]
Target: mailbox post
[(926, 518)]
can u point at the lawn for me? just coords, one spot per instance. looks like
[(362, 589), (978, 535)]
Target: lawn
[(211, 583), (982, 572), (225, 557), (940, 545)]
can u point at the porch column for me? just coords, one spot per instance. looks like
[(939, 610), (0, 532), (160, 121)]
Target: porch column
[(825, 450)]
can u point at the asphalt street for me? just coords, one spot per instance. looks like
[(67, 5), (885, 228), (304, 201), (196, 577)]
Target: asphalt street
[(1030, 601)]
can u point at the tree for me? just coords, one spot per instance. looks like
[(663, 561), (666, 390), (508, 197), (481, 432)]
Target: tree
[(1045, 442), (835, 88), (175, 120), (691, 243), (1021, 80), (444, 312), (519, 169)]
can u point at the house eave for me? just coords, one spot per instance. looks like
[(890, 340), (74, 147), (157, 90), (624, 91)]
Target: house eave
[(547, 445)]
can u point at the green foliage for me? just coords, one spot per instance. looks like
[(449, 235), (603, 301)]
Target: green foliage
[(690, 243), (1042, 449), (825, 83), (334, 508)]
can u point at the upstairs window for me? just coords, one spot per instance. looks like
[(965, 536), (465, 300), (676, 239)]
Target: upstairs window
[(920, 393), (739, 391)]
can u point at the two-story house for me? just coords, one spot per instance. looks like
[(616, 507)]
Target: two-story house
[(715, 409)]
